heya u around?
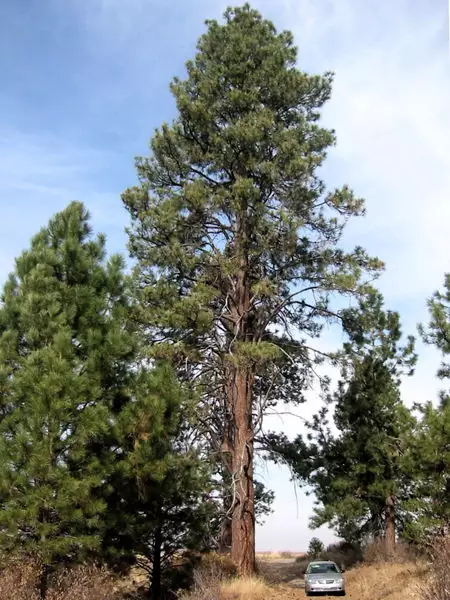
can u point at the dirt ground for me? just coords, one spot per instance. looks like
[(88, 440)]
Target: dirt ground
[(284, 578), (383, 581)]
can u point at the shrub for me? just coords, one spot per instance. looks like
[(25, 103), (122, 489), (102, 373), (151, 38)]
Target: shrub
[(344, 554), (20, 581), (206, 585), (213, 570), (438, 585), (221, 564), (301, 563), (376, 552)]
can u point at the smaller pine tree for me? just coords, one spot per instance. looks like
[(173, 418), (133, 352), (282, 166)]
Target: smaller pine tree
[(430, 450), (359, 475), (364, 472), (63, 356), (159, 506), (429, 453), (316, 548)]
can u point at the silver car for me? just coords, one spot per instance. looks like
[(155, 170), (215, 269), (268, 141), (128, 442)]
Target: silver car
[(325, 577)]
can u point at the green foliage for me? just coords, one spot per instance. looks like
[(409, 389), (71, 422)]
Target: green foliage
[(158, 506), (233, 180), (94, 457), (429, 453), (438, 331), (430, 450), (353, 473), (63, 356), (315, 549), (264, 499)]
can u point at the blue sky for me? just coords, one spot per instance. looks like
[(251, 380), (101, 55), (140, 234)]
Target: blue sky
[(85, 82)]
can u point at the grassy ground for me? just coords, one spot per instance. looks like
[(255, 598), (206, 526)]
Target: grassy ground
[(279, 578), (383, 581)]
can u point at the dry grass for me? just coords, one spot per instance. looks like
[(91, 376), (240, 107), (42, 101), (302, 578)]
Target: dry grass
[(377, 581), (244, 589), (386, 581), (83, 583), (438, 585), (208, 586), (216, 580), (20, 582)]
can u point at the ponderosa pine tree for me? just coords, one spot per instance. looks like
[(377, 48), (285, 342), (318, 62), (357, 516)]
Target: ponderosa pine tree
[(235, 237), (276, 383), (64, 358)]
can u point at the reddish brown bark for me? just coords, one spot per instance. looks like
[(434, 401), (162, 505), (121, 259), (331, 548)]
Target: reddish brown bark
[(226, 536), (389, 531), (227, 503), (243, 515), (239, 387)]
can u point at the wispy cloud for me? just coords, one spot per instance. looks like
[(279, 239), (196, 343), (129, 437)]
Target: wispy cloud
[(40, 175)]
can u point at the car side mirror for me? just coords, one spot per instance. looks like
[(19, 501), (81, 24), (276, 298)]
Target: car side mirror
[(343, 569)]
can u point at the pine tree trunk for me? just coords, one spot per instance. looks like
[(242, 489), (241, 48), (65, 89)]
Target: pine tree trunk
[(155, 588), (227, 478), (226, 536), (43, 582), (226, 528), (389, 532), (239, 396), (243, 516)]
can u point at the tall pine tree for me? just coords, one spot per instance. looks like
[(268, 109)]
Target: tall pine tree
[(234, 234), (64, 355)]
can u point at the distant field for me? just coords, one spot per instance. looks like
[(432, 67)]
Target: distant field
[(277, 555)]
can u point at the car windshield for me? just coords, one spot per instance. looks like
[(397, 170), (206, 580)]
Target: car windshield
[(322, 568)]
